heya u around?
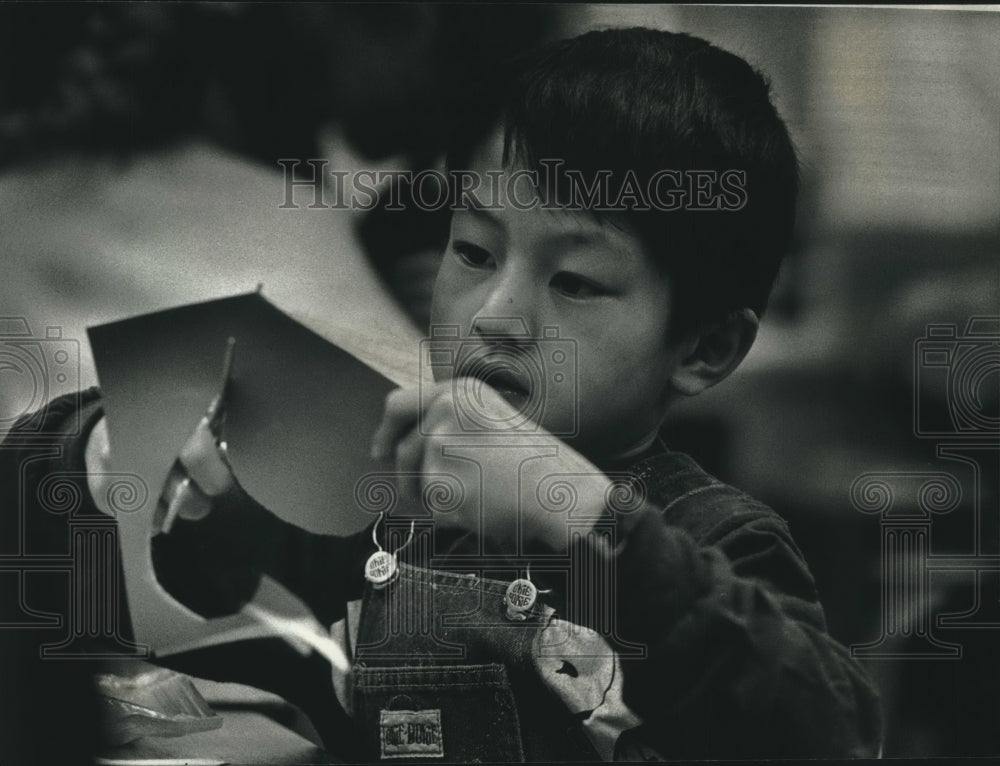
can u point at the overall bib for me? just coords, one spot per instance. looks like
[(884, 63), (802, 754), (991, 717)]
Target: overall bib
[(443, 671)]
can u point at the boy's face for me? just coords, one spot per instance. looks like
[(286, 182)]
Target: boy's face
[(507, 270)]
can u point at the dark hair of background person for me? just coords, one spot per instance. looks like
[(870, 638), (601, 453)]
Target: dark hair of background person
[(121, 78), (641, 100), (258, 79)]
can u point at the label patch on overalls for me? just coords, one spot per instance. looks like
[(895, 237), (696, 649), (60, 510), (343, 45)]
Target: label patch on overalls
[(411, 734)]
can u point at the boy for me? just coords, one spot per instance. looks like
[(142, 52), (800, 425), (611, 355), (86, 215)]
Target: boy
[(711, 642), (660, 304)]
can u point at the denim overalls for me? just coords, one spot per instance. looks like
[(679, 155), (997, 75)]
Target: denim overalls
[(443, 671)]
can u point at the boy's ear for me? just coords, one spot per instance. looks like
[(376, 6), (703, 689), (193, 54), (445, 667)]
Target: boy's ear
[(711, 353)]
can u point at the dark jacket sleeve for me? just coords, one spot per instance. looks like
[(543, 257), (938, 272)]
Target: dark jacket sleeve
[(214, 565), (43, 494), (739, 662)]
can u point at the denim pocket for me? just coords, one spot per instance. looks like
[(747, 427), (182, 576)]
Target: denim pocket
[(454, 713)]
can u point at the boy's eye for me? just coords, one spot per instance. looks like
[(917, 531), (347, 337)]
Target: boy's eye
[(472, 255), (575, 286)]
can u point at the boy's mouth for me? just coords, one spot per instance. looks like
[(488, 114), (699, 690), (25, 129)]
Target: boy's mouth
[(505, 376), (509, 387)]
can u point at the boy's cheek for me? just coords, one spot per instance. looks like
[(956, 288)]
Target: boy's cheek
[(576, 409), (448, 296)]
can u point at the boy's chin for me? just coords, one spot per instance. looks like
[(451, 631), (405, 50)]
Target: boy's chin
[(605, 452)]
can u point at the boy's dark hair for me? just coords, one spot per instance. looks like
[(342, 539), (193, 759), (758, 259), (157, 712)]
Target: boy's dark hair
[(643, 100)]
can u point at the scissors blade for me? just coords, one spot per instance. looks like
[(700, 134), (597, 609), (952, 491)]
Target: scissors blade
[(217, 409)]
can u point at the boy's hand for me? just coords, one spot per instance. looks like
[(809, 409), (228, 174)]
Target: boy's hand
[(200, 473), (521, 474)]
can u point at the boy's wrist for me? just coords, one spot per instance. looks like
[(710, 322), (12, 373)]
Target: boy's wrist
[(593, 523), (590, 508)]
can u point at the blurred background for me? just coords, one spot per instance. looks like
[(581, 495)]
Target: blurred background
[(138, 170)]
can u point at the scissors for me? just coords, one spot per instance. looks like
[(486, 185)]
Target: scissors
[(201, 471), (216, 413)]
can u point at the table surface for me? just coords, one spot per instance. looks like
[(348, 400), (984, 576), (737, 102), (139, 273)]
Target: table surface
[(247, 735)]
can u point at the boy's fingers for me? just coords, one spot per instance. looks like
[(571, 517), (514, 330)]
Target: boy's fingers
[(203, 462), (409, 462), (402, 411)]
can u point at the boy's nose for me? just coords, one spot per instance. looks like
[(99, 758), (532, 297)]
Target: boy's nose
[(501, 315), (510, 327)]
